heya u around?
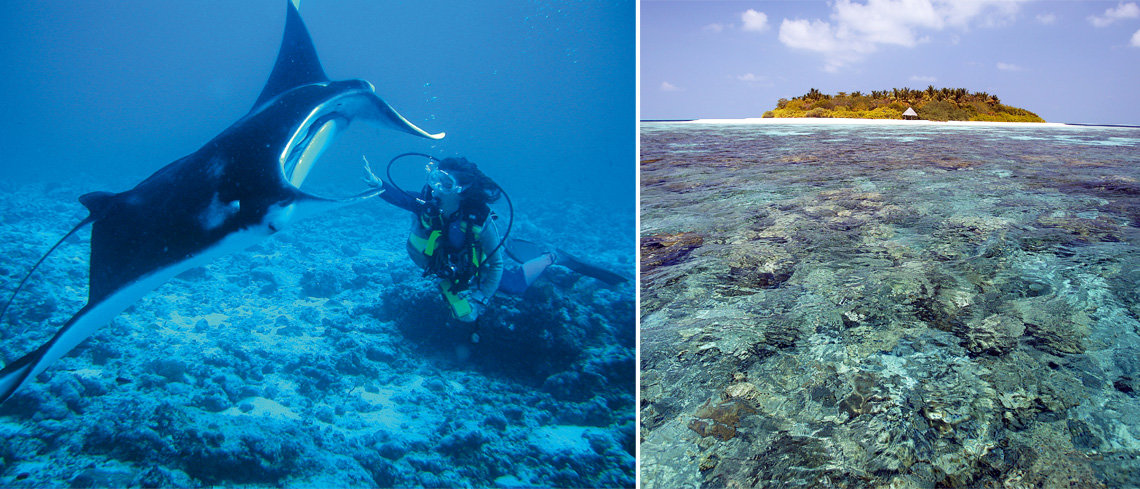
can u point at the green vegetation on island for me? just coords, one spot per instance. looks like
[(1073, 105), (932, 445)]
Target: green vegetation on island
[(935, 104)]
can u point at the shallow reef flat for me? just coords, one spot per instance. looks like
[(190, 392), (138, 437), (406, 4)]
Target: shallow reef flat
[(890, 306), (321, 358)]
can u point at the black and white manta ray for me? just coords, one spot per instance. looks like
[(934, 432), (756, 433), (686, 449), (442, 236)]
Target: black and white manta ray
[(238, 189)]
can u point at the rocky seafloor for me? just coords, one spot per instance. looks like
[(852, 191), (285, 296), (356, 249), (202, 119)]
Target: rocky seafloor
[(321, 358), (890, 307)]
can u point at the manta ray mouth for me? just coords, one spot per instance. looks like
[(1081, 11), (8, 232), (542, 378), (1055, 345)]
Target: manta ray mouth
[(317, 132), (318, 136)]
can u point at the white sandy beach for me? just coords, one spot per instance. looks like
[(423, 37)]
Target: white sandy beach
[(869, 122)]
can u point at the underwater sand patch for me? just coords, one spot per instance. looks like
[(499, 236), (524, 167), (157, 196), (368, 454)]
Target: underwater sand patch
[(261, 407), (561, 438)]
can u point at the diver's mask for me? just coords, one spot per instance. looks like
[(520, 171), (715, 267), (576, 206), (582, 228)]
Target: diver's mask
[(442, 182)]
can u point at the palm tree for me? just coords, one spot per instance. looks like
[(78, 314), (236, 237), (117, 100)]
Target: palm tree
[(959, 94)]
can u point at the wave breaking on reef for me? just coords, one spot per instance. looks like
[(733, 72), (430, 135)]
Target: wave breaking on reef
[(871, 122)]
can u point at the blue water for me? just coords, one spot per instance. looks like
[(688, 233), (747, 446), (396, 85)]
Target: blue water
[(895, 306), (321, 357), (536, 92)]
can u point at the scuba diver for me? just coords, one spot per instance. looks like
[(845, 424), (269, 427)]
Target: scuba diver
[(455, 238)]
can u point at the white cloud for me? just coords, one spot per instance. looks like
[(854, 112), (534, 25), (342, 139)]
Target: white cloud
[(1122, 11), (669, 87), (754, 21), (886, 21), (716, 28), (1136, 40), (754, 80), (817, 35), (923, 79), (858, 29), (1046, 19), (811, 35), (1008, 67)]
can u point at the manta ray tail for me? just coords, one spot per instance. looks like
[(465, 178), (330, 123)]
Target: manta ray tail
[(97, 204), (16, 373), (19, 287), (23, 370)]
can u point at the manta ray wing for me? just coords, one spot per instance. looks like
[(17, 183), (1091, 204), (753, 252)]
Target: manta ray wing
[(297, 63), (238, 189)]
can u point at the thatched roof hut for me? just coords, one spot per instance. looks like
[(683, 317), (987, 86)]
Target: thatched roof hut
[(910, 114)]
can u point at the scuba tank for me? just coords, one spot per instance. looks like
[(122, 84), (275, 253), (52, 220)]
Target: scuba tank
[(510, 205), (456, 264)]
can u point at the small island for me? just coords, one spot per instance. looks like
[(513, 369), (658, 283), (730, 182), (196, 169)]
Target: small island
[(933, 104)]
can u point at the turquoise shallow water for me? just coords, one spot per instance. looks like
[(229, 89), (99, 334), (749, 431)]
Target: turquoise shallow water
[(901, 305)]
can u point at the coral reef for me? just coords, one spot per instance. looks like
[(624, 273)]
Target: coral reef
[(954, 309), (321, 358), (667, 249)]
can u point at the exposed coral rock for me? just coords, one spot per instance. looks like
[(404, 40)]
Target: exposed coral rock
[(742, 390), (1053, 326), (758, 265), (996, 334), (1082, 229), (952, 163), (320, 283), (663, 250), (720, 420), (791, 460)]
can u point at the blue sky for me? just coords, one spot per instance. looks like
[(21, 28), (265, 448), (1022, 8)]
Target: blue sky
[(1068, 61)]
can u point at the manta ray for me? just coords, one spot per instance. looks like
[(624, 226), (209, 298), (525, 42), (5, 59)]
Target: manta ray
[(238, 189)]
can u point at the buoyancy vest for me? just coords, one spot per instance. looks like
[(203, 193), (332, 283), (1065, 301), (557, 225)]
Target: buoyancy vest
[(452, 250)]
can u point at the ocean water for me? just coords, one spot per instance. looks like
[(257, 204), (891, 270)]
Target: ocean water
[(321, 357), (890, 306)]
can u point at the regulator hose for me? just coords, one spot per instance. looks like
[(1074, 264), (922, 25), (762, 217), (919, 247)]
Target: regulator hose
[(510, 205)]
